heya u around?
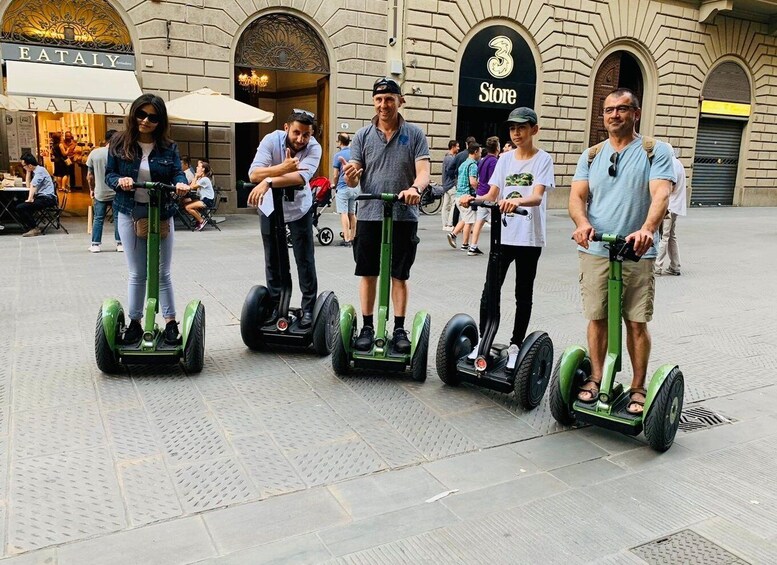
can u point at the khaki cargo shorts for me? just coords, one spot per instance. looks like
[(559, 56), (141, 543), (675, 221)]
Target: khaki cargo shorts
[(639, 288)]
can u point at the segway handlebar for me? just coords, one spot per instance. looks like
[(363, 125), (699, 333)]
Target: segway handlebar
[(609, 238), (491, 204), (620, 249), (385, 196), (154, 186)]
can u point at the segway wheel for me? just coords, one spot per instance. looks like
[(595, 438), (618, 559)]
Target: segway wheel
[(421, 356), (253, 314), (533, 372), (194, 351), (663, 417), (327, 326), (562, 411), (104, 355), (457, 339), (326, 236), (341, 364)]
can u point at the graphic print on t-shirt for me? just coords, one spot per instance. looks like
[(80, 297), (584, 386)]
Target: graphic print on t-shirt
[(519, 179)]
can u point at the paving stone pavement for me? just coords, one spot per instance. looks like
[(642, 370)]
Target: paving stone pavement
[(270, 458)]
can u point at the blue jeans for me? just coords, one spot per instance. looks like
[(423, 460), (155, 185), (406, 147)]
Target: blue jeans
[(100, 208), (135, 255)]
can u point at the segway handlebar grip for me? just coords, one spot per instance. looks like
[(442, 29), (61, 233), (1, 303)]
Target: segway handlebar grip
[(609, 238), (154, 185), (491, 204), (386, 197)]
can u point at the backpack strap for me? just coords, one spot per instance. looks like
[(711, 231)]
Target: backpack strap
[(649, 145), (594, 151)]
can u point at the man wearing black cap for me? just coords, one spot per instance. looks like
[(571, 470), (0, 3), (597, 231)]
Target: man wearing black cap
[(388, 155)]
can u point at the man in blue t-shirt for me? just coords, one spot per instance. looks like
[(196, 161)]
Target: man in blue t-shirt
[(42, 194), (629, 193), (345, 198)]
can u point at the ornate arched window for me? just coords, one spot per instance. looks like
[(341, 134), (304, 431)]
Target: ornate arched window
[(86, 24), (282, 42)]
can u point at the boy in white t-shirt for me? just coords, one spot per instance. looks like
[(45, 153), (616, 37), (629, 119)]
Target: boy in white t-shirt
[(520, 179)]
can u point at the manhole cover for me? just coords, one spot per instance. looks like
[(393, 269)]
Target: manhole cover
[(688, 548), (699, 418)]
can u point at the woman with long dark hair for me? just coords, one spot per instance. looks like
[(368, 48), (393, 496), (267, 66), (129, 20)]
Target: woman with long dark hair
[(58, 158), (144, 152)]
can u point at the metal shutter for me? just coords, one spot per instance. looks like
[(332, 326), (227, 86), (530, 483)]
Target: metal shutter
[(715, 163)]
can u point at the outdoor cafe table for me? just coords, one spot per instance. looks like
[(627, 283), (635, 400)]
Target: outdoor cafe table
[(9, 198)]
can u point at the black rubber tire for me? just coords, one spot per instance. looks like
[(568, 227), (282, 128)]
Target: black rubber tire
[(341, 363), (103, 354), (194, 350), (253, 314), (327, 326), (326, 236), (533, 373), (562, 412), (420, 359), (457, 339), (663, 418)]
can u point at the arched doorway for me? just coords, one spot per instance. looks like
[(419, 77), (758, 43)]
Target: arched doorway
[(497, 73), (281, 64), (68, 67), (725, 110), (618, 70)]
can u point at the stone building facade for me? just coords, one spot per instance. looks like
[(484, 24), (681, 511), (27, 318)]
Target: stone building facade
[(705, 71)]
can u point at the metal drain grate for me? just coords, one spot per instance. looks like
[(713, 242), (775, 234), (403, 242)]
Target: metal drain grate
[(696, 418), (688, 548)]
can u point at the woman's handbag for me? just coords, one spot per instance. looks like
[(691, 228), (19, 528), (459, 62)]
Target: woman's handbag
[(140, 221)]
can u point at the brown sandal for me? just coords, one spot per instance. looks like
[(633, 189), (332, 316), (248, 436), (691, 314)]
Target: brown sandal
[(593, 391), (641, 404)]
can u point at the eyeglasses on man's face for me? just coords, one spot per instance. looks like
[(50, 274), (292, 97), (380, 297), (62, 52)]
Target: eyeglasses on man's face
[(609, 110), (141, 115), (613, 170)]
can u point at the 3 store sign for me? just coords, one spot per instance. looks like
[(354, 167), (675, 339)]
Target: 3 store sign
[(497, 70)]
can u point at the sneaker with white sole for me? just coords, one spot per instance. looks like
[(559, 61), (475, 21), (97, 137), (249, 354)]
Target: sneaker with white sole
[(119, 247), (465, 247), (94, 248), (452, 239), (473, 250), (474, 353), (512, 356)]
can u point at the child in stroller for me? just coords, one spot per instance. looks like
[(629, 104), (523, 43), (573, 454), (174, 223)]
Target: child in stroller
[(322, 198)]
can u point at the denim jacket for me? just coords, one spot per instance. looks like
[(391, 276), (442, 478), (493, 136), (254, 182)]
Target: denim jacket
[(165, 166)]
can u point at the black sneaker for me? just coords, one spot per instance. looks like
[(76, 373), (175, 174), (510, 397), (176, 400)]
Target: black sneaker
[(401, 343), (365, 339), (171, 335), (306, 321), (474, 251), (133, 333)]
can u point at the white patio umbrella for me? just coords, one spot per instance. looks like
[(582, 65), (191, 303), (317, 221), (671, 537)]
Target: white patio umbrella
[(9, 103), (206, 105)]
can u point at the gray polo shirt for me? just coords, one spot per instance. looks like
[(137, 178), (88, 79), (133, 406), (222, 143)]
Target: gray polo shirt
[(97, 160), (389, 166)]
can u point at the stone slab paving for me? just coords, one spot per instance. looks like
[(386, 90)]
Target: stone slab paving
[(270, 458)]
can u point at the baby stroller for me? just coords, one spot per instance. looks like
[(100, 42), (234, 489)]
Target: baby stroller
[(322, 198)]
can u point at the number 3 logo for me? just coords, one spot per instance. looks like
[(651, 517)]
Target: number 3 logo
[(501, 64)]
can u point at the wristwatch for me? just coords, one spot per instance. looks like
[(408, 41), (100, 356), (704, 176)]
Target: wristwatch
[(268, 182), (418, 190)]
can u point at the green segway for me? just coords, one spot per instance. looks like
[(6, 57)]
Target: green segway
[(664, 399), (382, 356), (111, 353)]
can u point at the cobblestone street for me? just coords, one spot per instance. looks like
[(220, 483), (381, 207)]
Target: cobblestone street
[(271, 458)]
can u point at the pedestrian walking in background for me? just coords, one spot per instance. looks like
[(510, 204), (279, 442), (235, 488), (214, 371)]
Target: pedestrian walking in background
[(486, 168), (345, 196), (668, 250), (102, 194), (465, 185), (449, 174)]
